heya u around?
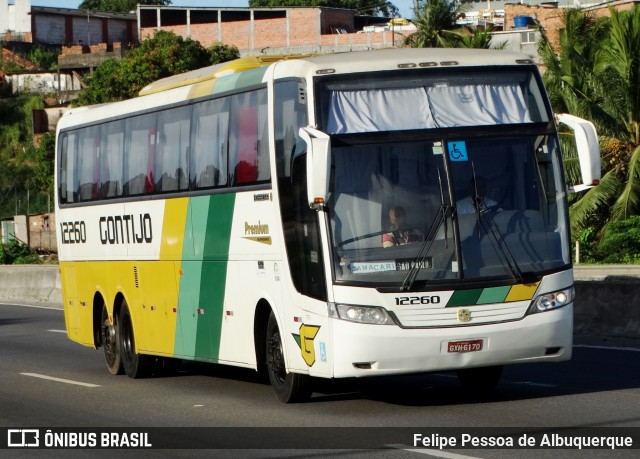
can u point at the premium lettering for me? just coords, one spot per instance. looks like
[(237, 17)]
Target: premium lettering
[(256, 229)]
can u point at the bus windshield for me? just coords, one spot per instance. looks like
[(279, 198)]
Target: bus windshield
[(500, 212), (439, 201)]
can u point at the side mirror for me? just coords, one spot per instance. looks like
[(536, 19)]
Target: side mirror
[(318, 165), (588, 149)]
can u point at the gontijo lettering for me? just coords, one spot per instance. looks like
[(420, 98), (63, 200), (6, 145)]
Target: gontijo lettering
[(126, 229)]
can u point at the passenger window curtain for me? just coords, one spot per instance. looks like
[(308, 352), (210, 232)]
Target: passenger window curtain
[(438, 106)]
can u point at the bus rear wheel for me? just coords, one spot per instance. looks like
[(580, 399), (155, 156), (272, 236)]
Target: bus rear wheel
[(110, 343), (480, 380), (289, 387), (135, 365)]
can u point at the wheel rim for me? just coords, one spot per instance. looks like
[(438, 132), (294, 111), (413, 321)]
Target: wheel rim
[(276, 358), (127, 338), (109, 338)]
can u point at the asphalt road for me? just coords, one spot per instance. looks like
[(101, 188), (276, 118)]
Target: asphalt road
[(51, 382)]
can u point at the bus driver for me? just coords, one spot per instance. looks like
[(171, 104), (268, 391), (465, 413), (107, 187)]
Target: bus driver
[(400, 233)]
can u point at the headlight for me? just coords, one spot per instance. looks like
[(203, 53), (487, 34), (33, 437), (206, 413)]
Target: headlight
[(553, 300), (361, 314)]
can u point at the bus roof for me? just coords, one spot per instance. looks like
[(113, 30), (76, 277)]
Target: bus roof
[(213, 72), (250, 71), (394, 58)]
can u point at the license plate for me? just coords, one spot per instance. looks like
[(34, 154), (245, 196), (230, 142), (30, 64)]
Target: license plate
[(469, 345)]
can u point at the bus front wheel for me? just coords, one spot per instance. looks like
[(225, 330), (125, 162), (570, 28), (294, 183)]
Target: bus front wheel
[(110, 343), (289, 387), (135, 365)]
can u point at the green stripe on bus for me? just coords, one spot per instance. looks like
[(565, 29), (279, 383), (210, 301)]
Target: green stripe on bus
[(494, 295), (239, 80), (251, 77), (225, 83), (464, 297), (202, 286)]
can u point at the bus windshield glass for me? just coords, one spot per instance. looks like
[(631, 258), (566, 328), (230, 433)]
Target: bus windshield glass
[(442, 201)]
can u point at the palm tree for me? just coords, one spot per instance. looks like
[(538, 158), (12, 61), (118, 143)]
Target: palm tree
[(621, 60), (435, 20), (596, 75), (436, 28), (479, 39)]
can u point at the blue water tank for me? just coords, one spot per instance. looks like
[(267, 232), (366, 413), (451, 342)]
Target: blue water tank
[(521, 21)]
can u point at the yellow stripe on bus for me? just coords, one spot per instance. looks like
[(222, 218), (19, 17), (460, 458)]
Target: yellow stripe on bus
[(175, 216), (522, 292)]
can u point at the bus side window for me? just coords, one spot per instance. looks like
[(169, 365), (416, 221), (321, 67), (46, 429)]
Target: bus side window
[(171, 150), (88, 168), (111, 160), (68, 181), (243, 142), (209, 144), (249, 159), (304, 249), (140, 146)]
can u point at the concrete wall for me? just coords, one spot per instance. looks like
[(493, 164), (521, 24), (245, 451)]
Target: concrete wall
[(32, 284), (607, 302), (41, 83), (606, 307)]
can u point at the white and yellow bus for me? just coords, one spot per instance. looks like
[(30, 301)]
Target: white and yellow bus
[(240, 214)]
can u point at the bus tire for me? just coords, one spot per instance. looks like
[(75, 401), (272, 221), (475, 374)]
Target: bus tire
[(135, 365), (109, 337), (480, 380), (288, 387)]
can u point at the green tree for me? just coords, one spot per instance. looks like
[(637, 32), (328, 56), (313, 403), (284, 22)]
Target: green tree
[(26, 171), (163, 55), (16, 252), (619, 61), (597, 76), (435, 21), (41, 174), (621, 243), (119, 6), (370, 7), (45, 57)]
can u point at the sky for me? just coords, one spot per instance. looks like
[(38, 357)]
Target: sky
[(405, 6)]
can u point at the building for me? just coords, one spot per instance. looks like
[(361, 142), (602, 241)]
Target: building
[(15, 17), (22, 22), (257, 31), (515, 24), (86, 38), (36, 230)]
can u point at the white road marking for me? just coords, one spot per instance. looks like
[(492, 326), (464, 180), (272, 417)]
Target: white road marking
[(50, 308), (432, 452), (58, 331), (67, 381)]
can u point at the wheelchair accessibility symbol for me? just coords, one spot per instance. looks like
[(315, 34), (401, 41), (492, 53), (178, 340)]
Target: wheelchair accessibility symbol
[(457, 151)]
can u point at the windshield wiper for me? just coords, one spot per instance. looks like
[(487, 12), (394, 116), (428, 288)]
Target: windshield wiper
[(496, 236), (425, 248)]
